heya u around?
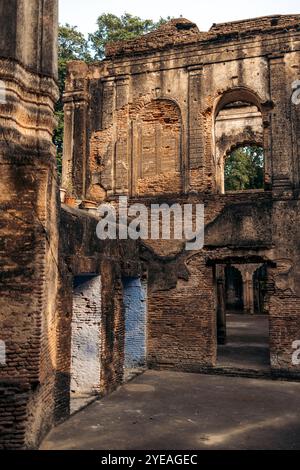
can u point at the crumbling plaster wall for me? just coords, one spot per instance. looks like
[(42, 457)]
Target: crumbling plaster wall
[(197, 78), (254, 61)]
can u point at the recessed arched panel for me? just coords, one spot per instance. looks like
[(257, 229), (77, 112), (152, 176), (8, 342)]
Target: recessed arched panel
[(157, 149)]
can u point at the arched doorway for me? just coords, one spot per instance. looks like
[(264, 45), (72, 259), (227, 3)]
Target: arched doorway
[(242, 320), (239, 137)]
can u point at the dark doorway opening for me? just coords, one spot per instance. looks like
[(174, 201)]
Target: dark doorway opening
[(260, 290), (242, 319), (234, 290)]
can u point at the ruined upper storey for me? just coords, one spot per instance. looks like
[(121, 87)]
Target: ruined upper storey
[(174, 32), (182, 32), (161, 114)]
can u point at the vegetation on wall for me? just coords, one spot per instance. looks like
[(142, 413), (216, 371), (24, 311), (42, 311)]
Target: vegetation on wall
[(113, 28)]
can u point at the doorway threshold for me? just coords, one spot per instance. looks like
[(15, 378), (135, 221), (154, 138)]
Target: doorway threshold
[(247, 345)]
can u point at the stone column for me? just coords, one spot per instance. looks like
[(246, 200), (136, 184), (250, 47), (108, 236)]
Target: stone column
[(247, 292), (281, 154), (247, 272), (123, 134), (196, 132), (76, 106), (29, 219), (108, 109)]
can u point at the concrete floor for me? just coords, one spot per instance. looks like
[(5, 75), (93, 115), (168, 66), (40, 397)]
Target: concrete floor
[(247, 343), (172, 410)]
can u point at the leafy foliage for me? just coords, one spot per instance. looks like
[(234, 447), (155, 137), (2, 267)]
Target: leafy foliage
[(114, 28), (244, 169)]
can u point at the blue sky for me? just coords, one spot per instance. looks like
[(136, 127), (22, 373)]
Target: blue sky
[(83, 13)]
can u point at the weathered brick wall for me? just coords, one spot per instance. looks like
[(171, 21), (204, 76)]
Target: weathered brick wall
[(261, 25), (182, 322), (64, 336), (29, 235), (113, 328), (284, 301), (158, 165), (179, 82), (13, 413), (182, 311), (82, 253), (176, 31), (199, 79)]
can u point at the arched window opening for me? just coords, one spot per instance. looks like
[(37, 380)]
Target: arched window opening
[(239, 134), (244, 168)]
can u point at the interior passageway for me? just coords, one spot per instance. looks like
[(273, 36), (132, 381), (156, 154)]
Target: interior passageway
[(242, 317), (247, 345)]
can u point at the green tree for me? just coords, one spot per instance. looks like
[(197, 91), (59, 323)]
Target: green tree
[(72, 45), (244, 169), (114, 28)]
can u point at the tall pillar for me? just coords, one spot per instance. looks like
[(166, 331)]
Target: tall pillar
[(121, 151), (29, 219), (282, 158), (248, 292), (196, 164), (76, 104), (247, 272)]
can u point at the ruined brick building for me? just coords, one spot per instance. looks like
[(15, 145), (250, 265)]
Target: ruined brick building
[(154, 121)]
